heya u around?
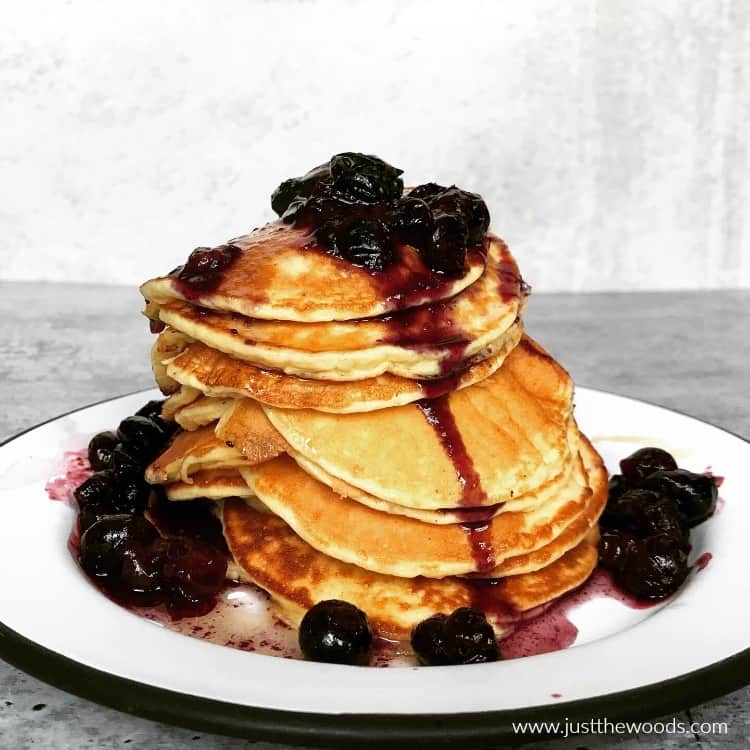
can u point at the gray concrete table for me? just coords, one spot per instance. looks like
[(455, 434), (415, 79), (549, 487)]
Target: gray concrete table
[(66, 345)]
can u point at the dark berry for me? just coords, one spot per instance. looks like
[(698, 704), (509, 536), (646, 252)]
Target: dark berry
[(463, 637), (365, 179), (98, 489), (100, 450), (447, 251), (654, 569), (103, 544), (427, 191), (130, 489), (205, 264), (616, 488), (694, 494), (614, 547), (298, 188), (192, 518), (193, 570), (90, 514), (151, 409), (365, 243), (336, 632), (140, 582), (414, 222), (645, 461), (142, 437), (647, 513)]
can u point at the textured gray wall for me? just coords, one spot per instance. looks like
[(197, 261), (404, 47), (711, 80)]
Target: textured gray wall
[(609, 138)]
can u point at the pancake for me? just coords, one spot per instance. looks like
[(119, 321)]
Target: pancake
[(421, 342), (281, 274), (180, 398), (482, 445), (218, 375), (296, 576), (168, 344), (244, 426), (201, 412), (395, 545), (444, 515), (214, 484), (191, 452), (417, 361)]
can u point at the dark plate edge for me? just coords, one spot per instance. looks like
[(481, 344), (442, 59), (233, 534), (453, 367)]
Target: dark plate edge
[(373, 730)]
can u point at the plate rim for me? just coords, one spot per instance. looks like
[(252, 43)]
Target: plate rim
[(339, 730)]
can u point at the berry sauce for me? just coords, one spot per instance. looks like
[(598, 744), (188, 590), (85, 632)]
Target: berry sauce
[(76, 470), (703, 561), (438, 414), (548, 628)]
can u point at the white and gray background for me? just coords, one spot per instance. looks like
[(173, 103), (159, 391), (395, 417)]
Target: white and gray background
[(610, 139)]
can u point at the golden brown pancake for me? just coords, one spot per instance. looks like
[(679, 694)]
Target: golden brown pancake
[(395, 545), (215, 484), (530, 500), (191, 452), (201, 412), (511, 427), (168, 344), (416, 361), (281, 274), (297, 576), (245, 427), (183, 396), (218, 375)]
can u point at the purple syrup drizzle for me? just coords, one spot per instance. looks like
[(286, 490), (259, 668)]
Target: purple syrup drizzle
[(438, 414)]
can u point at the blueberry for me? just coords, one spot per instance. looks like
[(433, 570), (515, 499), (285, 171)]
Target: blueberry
[(694, 494), (646, 513), (366, 179), (463, 637), (645, 461), (298, 188), (456, 202), (192, 570), (336, 632), (205, 264), (103, 544), (98, 488), (414, 222), (365, 243), (447, 251), (427, 191), (100, 450), (654, 569), (140, 583), (150, 409), (141, 437), (614, 547), (90, 514)]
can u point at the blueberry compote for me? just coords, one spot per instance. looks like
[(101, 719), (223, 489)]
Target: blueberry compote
[(139, 549), (356, 206), (646, 524)]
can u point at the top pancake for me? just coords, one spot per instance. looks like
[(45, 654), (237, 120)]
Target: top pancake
[(282, 274)]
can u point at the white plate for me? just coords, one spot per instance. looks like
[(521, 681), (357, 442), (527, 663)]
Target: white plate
[(60, 628)]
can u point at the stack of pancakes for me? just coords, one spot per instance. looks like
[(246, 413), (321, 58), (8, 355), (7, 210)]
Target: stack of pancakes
[(391, 439)]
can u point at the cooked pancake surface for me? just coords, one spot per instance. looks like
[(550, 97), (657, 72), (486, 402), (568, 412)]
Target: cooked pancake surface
[(218, 375), (282, 275), (396, 545), (297, 576), (511, 427)]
